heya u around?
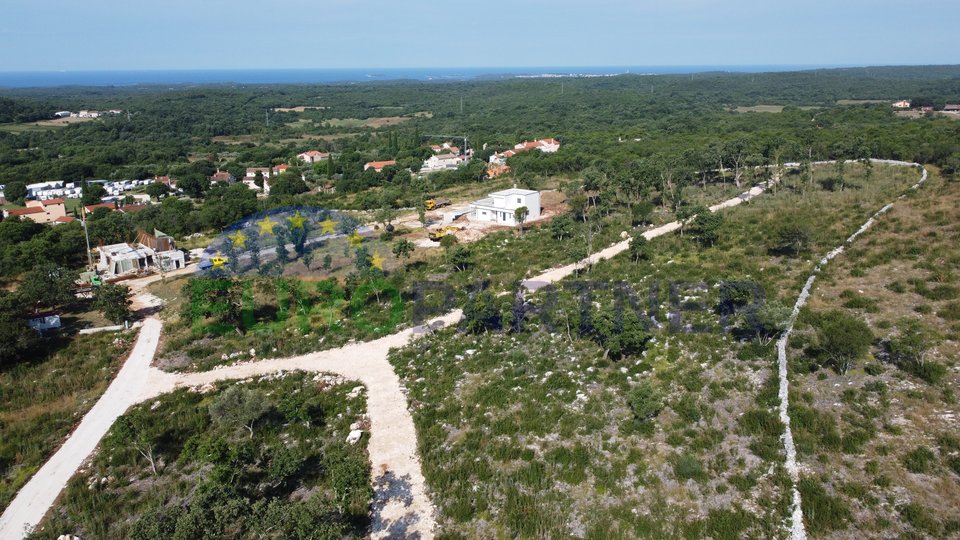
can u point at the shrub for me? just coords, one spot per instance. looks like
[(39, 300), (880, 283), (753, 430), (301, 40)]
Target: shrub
[(920, 518), (842, 338), (822, 512), (919, 460), (641, 213), (909, 351), (687, 467), (791, 238), (645, 400)]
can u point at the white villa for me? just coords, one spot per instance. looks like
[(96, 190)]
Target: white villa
[(442, 162), (500, 205), (547, 146), (313, 156)]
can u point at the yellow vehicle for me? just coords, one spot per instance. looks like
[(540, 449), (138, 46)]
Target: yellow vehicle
[(438, 234), (433, 204)]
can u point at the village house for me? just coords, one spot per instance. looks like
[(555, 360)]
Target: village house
[(951, 107), (221, 176), (48, 211), (313, 156), (547, 146), (250, 178), (902, 104), (167, 181), (445, 148), (442, 162), (378, 165), (152, 251), (499, 207)]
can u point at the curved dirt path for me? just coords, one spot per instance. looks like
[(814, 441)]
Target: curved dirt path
[(797, 529)]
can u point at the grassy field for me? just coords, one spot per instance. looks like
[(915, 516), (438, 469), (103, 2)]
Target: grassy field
[(545, 433), (879, 444), (41, 402), (42, 125), (245, 460)]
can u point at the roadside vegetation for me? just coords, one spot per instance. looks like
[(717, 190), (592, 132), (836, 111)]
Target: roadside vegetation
[(242, 460), (42, 401)]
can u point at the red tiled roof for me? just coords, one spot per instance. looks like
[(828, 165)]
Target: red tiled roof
[(379, 164), (53, 201), (133, 208), (65, 219), (92, 207), (25, 211)]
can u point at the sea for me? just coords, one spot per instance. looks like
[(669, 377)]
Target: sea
[(48, 79)]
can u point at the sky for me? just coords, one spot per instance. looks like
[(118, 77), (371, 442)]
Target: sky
[(52, 35)]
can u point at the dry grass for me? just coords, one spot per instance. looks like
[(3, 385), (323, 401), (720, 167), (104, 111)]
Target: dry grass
[(918, 241)]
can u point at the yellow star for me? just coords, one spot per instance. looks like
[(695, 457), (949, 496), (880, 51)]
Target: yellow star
[(239, 239), (355, 239), (376, 261), (266, 226), (296, 222), (327, 225), (218, 261)]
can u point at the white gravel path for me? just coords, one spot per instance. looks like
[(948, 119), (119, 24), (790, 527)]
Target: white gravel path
[(38, 495), (797, 529)]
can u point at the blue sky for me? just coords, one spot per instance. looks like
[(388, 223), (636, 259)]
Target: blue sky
[(233, 34)]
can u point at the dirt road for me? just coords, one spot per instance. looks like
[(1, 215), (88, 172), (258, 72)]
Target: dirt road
[(38, 495)]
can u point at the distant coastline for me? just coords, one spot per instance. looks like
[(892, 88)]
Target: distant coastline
[(49, 79)]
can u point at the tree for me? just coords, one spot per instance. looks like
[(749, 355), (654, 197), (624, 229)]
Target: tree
[(706, 227), (194, 185), (113, 301), (403, 248), (842, 338), (640, 249), (92, 193), (791, 237), (15, 192), (362, 261), (736, 152), (645, 400), (460, 257), (132, 429), (520, 215), (288, 184), (157, 190), (641, 213), (561, 226), (18, 339), (48, 285), (239, 406), (840, 167), (684, 213), (481, 313)]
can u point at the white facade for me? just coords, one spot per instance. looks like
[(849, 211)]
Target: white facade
[(313, 156), (500, 206), (442, 162)]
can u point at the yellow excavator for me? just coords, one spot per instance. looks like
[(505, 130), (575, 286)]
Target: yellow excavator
[(433, 204), (437, 234)]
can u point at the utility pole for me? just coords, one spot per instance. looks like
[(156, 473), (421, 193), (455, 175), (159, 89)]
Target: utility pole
[(561, 88), (86, 235), (266, 116), (461, 104)]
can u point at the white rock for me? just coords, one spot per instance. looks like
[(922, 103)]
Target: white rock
[(253, 352), (354, 436), (471, 352)]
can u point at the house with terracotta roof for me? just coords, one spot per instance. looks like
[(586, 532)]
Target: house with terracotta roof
[(47, 211), (313, 156), (221, 176), (378, 165), (547, 146), (280, 169), (90, 208)]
